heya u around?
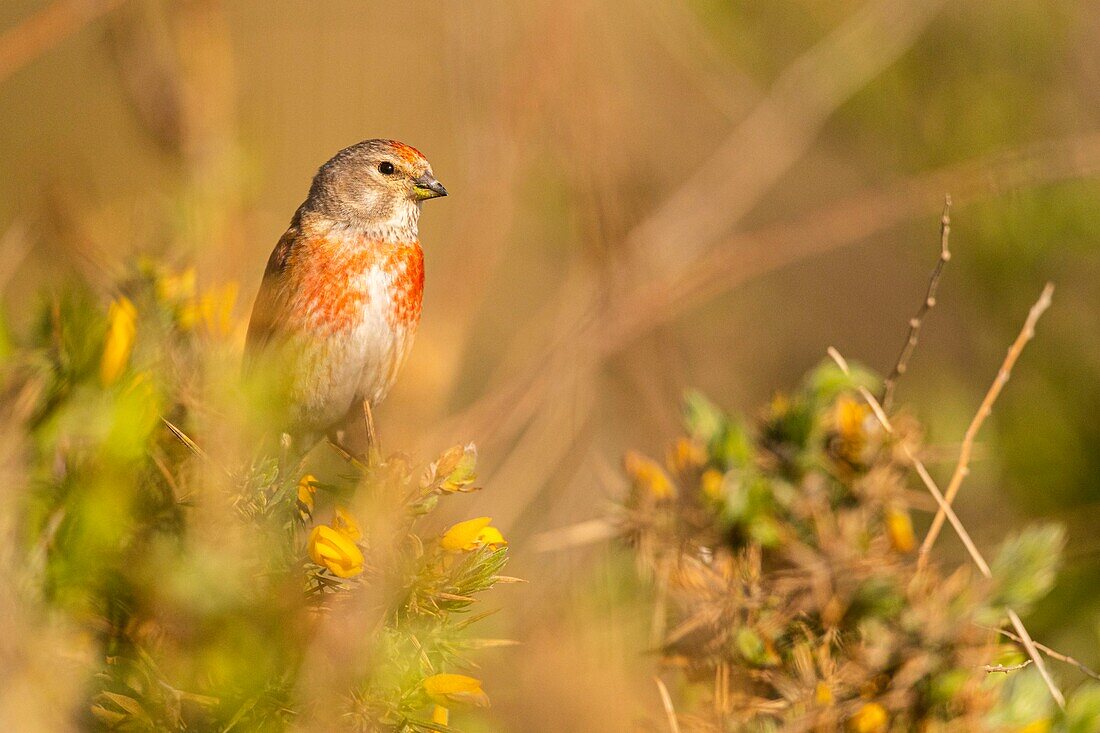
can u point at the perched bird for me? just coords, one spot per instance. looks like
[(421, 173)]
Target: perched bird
[(340, 300)]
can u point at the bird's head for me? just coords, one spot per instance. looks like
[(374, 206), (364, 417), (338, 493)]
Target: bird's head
[(375, 183)]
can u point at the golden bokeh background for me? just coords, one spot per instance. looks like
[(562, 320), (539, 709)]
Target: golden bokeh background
[(645, 196)]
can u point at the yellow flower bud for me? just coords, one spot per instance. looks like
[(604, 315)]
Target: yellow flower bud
[(176, 286), (441, 715), (331, 549), (445, 689), (870, 718), (686, 455), (121, 331), (899, 528), (471, 535), (711, 483), (647, 474), (851, 417), (457, 467), (823, 695)]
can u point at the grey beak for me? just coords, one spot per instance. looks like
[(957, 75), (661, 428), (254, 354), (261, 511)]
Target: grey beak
[(427, 187)]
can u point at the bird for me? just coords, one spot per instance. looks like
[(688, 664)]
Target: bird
[(340, 300)]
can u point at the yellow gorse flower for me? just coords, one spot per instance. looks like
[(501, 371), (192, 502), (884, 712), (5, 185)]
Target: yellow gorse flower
[(176, 286), (870, 718), (899, 528), (451, 689), (332, 549), (823, 694), (686, 454), (307, 487), (647, 474), (471, 535), (851, 418), (213, 310), (121, 332), (711, 483)]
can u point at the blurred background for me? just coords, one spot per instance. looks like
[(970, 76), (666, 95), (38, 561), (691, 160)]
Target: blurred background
[(646, 196)]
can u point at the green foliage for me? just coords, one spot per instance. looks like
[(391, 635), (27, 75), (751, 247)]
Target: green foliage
[(1025, 568), (208, 575)]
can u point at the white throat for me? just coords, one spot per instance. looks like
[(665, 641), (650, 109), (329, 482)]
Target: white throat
[(400, 226)]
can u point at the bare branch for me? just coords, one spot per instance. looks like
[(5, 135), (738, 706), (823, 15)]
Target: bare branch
[(1052, 654), (1006, 670), (962, 468), (928, 304)]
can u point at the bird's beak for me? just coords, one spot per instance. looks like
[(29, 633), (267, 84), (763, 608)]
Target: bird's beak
[(426, 187)]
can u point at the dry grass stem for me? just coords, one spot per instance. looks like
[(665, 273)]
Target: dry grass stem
[(573, 535), (927, 304), (666, 703), (962, 468)]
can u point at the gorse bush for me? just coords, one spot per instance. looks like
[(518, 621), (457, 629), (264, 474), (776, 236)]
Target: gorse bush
[(787, 589), (200, 579)]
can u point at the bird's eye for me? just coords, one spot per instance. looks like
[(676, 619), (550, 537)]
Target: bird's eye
[(385, 168)]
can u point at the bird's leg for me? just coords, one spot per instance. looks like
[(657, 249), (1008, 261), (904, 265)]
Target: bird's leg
[(374, 450)]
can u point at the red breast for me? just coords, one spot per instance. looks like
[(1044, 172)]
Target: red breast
[(334, 277)]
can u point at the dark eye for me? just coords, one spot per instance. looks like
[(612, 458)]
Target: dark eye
[(385, 168)]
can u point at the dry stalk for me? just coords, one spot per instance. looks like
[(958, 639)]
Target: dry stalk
[(45, 29), (962, 468), (928, 304), (971, 548)]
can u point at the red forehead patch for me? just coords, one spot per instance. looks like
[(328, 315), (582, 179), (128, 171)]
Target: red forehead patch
[(408, 152)]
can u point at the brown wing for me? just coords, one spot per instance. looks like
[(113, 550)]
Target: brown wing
[(268, 312)]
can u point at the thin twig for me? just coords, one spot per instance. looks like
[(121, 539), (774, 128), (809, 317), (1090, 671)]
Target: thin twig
[(962, 468), (971, 548), (194, 447), (915, 323), (45, 29), (666, 703), (1052, 654), (1006, 670)]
